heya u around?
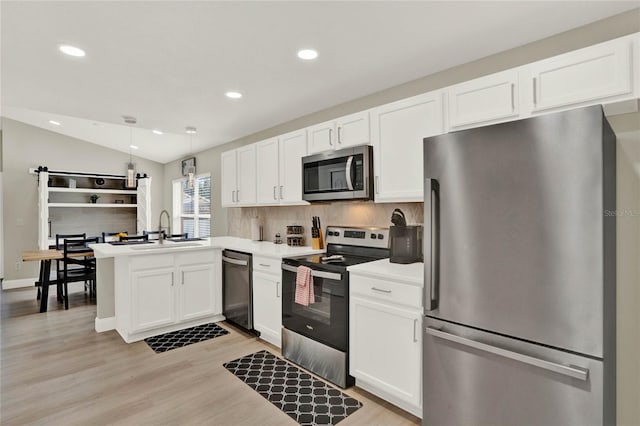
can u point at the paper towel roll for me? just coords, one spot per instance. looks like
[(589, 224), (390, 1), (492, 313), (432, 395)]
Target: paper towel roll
[(256, 229)]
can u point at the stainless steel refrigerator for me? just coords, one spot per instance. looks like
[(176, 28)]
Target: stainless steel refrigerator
[(520, 273)]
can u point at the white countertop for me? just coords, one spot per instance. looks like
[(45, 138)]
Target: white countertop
[(261, 248), (412, 273)]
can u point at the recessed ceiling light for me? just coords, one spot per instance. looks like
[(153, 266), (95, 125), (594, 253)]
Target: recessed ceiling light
[(191, 130), (54, 122), (71, 50), (233, 95), (133, 146), (157, 132), (307, 54)]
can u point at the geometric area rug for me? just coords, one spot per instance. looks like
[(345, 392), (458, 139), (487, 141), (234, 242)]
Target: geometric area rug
[(301, 396), (177, 339)]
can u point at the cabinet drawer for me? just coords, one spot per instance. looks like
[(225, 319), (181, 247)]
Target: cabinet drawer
[(267, 264), (389, 291), (151, 261)]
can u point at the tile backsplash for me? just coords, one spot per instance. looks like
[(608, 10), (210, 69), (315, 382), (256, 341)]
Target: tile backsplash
[(275, 219)]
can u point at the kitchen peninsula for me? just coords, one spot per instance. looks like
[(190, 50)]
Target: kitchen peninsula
[(149, 289)]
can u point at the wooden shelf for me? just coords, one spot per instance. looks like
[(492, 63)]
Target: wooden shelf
[(93, 191), (92, 205)]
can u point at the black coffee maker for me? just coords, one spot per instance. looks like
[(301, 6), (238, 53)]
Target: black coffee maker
[(406, 241)]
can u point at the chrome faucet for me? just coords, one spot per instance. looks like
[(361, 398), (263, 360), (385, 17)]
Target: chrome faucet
[(162, 235)]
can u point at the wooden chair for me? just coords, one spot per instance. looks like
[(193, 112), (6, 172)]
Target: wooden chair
[(87, 266)]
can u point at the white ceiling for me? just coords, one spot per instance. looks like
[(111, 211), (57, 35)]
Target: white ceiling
[(169, 63)]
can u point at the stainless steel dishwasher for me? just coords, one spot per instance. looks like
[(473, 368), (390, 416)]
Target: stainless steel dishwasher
[(237, 290)]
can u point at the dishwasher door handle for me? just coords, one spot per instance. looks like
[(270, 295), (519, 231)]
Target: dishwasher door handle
[(235, 261)]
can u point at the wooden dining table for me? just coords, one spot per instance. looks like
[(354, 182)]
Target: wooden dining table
[(45, 257)]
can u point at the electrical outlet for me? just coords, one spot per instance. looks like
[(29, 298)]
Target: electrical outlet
[(18, 266)]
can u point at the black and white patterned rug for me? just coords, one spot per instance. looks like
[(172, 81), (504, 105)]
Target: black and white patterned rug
[(177, 339), (298, 394)]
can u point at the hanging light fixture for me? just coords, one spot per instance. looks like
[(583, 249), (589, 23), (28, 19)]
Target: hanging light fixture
[(191, 167), (130, 181)]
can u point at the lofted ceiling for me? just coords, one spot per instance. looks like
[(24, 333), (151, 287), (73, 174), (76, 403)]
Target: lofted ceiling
[(169, 63)]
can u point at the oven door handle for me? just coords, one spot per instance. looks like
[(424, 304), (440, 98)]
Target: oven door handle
[(314, 273)]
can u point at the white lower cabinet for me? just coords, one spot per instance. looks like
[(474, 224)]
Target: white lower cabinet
[(158, 293), (267, 298), (385, 341), (267, 307)]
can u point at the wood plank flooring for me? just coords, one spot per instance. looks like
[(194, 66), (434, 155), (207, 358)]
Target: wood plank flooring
[(56, 370)]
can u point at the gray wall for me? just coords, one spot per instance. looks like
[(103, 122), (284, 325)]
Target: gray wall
[(26, 146)]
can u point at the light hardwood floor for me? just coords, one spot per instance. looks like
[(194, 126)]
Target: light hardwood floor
[(56, 370)]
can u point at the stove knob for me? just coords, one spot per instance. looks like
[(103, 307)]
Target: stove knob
[(337, 233), (330, 233), (373, 236), (380, 237)]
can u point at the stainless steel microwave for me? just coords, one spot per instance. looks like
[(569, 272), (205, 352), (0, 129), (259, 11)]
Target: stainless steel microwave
[(346, 174)]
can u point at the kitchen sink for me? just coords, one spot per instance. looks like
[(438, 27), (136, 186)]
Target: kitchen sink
[(165, 246)]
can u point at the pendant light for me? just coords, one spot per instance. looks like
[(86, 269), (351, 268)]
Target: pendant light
[(130, 181), (191, 168)]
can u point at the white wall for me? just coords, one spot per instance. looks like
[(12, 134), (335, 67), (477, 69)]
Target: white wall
[(25, 147)]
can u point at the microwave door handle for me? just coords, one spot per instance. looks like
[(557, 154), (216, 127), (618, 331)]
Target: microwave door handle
[(347, 172)]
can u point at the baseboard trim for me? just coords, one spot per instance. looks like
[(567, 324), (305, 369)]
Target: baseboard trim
[(105, 324), (21, 283)]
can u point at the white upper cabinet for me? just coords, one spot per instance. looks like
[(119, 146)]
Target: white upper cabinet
[(293, 146), (279, 167), (238, 176), (595, 74), (228, 174), (347, 131), (267, 166), (484, 100), (397, 132)]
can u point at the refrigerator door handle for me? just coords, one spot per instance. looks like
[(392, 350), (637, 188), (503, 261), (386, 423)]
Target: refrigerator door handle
[(432, 245), (570, 371)]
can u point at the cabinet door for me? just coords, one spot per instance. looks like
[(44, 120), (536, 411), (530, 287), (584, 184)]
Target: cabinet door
[(152, 299), (246, 163), (585, 76), (197, 298), (397, 133), (268, 187), (228, 176), (386, 350), (488, 99), (267, 307), (353, 130), (293, 146), (321, 137)]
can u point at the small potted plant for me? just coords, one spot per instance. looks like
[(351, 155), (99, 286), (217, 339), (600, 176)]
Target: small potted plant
[(94, 198)]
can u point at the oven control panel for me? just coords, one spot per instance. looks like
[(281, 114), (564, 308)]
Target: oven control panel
[(358, 236)]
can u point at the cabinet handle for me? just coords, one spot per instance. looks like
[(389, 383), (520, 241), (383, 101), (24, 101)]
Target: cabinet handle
[(339, 141), (381, 290), (377, 185), (182, 278), (238, 195), (513, 97), (274, 193), (330, 133), (264, 265), (281, 192), (415, 325), (278, 289), (172, 279), (535, 96)]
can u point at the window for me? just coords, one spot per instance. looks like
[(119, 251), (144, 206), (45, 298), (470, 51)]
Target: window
[(192, 206)]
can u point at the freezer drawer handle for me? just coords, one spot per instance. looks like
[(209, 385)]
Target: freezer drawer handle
[(314, 273), (575, 372), (235, 261)]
